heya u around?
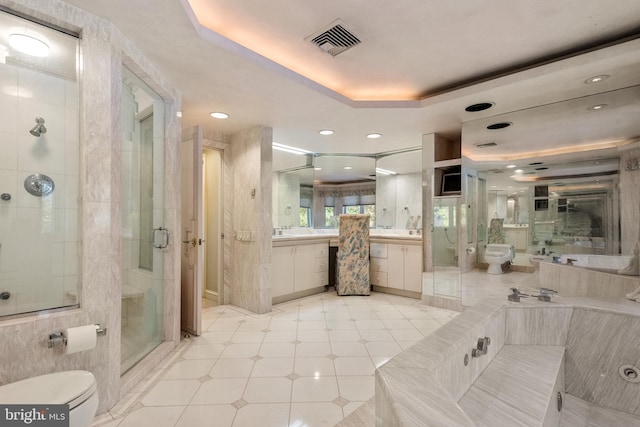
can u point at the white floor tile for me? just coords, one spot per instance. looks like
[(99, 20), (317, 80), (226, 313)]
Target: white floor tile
[(376, 335), (232, 368), (350, 407), (305, 325), (406, 334), (345, 335), (247, 337), (313, 336), (207, 415), (210, 351), (268, 390), (369, 324), (315, 414), (171, 393), (314, 367), (189, 369), (357, 388), (162, 416), (277, 350), (244, 350), (313, 349), (339, 325), (219, 391), (354, 366), (340, 348), (267, 415), (214, 337), (273, 367), (308, 389), (383, 348), (280, 336)]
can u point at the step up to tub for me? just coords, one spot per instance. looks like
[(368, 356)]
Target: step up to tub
[(518, 388)]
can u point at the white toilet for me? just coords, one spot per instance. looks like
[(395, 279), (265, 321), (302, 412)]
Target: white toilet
[(496, 255), (78, 389)]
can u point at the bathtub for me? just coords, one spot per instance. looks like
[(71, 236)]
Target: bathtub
[(543, 366), (615, 264)]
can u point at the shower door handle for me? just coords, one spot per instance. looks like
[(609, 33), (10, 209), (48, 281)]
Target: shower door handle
[(164, 242)]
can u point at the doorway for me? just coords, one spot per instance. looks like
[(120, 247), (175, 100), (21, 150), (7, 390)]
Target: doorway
[(213, 227)]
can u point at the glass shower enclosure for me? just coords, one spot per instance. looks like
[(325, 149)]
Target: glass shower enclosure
[(142, 236), (446, 270)]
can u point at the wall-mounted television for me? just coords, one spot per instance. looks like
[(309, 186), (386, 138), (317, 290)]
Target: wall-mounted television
[(451, 184)]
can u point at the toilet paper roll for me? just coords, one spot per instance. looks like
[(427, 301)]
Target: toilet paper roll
[(81, 338), (471, 250)]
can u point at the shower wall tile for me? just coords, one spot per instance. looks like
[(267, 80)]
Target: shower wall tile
[(594, 355)]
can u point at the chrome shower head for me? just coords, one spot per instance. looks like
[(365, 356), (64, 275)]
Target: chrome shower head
[(39, 127)]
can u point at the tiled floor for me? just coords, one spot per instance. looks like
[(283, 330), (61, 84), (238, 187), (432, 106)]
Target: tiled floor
[(310, 362)]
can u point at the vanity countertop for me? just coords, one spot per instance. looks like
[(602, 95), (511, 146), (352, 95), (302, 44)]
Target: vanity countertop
[(288, 239)]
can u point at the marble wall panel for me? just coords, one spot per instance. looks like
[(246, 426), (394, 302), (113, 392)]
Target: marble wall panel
[(598, 343), (537, 325), (629, 202), (251, 157)]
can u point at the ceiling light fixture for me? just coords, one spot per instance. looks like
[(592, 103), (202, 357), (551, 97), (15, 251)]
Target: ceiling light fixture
[(597, 79), (511, 166), (288, 149), (481, 106), (374, 135), (29, 45), (219, 115), (598, 107), (518, 171), (347, 168), (326, 132), (317, 169)]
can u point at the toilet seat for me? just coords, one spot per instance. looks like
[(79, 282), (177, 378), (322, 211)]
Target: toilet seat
[(68, 387)]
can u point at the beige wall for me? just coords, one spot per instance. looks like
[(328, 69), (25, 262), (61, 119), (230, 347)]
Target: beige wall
[(24, 351)]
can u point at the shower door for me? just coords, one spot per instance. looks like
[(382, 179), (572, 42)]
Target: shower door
[(143, 235)]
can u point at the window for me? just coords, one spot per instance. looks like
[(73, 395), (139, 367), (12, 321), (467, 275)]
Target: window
[(305, 217), (444, 216), (328, 214)]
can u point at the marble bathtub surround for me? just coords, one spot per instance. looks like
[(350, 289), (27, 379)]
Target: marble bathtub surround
[(426, 383), (576, 281)]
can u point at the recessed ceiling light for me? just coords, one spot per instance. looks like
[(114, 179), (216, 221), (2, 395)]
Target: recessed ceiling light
[(374, 135), (481, 106), (597, 79), (317, 169), (219, 115), (518, 171), (511, 166), (178, 113), (347, 168), (500, 125), (598, 107), (326, 132), (29, 45)]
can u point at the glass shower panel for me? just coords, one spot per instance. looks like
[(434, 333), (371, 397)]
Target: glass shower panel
[(142, 217), (39, 171), (446, 271)]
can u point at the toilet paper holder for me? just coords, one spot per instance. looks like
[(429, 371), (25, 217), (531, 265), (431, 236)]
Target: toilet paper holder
[(58, 338)]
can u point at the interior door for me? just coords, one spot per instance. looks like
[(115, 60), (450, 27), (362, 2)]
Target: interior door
[(192, 233)]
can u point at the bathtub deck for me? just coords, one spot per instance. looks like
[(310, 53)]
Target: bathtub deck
[(578, 413), (516, 388)]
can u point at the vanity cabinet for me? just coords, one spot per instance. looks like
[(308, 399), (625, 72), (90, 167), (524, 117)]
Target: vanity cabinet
[(517, 236), (397, 266), (299, 268)]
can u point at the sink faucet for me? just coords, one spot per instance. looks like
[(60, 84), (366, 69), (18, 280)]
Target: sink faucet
[(481, 347)]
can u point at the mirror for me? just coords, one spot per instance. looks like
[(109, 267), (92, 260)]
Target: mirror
[(292, 190), (399, 190), (343, 184), (551, 176)]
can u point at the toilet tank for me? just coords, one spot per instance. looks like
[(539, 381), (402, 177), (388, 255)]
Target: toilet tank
[(497, 249)]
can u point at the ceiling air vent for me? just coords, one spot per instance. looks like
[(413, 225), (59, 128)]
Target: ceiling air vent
[(335, 38), (486, 144)]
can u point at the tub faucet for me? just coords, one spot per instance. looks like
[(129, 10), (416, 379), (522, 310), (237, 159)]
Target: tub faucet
[(481, 347), (570, 261), (545, 294), (515, 295)]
